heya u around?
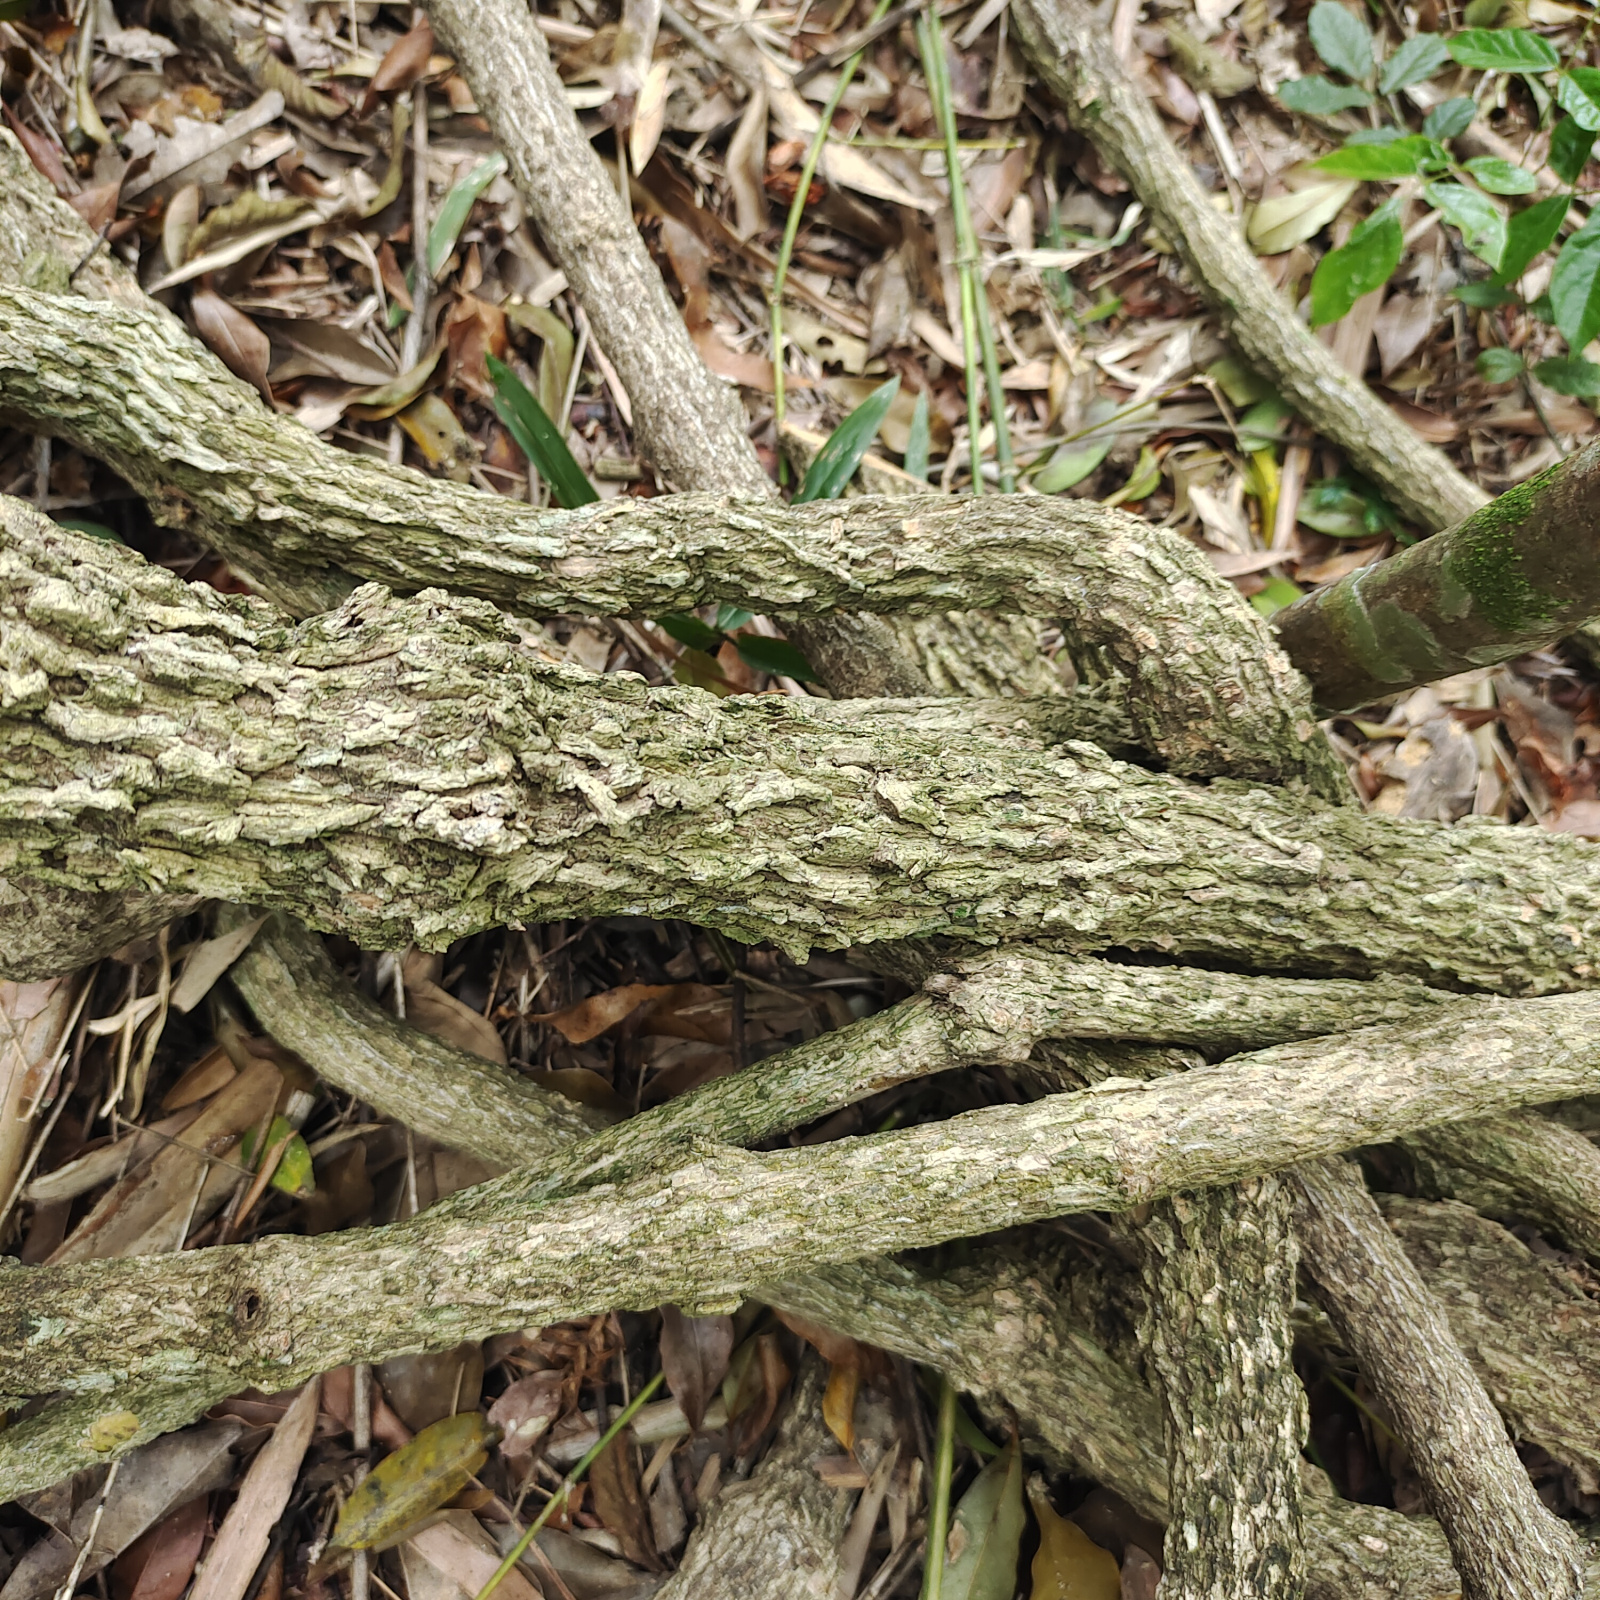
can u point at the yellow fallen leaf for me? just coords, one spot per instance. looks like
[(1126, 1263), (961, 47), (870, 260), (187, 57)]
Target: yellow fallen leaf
[(1069, 1564)]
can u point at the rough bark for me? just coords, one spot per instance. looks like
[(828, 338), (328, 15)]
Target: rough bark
[(1531, 1334), (1220, 1281), (407, 769), (1207, 690), (1506, 1545), (704, 1227), (1072, 52), (1515, 576), (776, 1535), (1523, 1164), (400, 1071)]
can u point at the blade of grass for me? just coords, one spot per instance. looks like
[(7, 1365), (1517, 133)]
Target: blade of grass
[(568, 1484), (791, 227), (538, 437), (917, 444), (836, 462), (944, 1457), (977, 331)]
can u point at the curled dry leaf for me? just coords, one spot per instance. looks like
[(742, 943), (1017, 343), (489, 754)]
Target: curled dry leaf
[(619, 1502), (435, 1010), (181, 218), (649, 115), (41, 152), (97, 205), (588, 1019), (747, 163), (839, 1402), (405, 61), (695, 1352), (34, 1020), (526, 1410)]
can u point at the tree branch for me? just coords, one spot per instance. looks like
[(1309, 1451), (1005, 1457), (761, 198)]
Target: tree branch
[(1071, 50), (407, 770), (1506, 1545)]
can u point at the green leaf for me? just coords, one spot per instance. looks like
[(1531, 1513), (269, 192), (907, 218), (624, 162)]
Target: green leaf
[(1501, 177), (731, 617), (1143, 480), (538, 438), (414, 1481), (1264, 423), (1570, 144), (1450, 119), (1497, 365), (1399, 158), (774, 655), (836, 462), (1274, 595), (1484, 295), (1344, 510), (95, 530), (1317, 96), (1068, 1564), (1529, 234), (293, 1172), (1342, 40), (1482, 13), (915, 460), (1502, 50), (1481, 221), (1570, 374), (1358, 266), (1575, 286), (1414, 61), (690, 630), (986, 1534), (1578, 92), (1242, 386), (14, 10), (457, 207)]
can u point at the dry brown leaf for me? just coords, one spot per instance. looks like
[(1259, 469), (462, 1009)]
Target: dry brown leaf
[(159, 1565), (747, 165), (178, 223), (110, 1161), (34, 1019), (454, 1557), (526, 1410), (211, 958), (152, 1481), (179, 1182), (267, 72), (237, 343), (41, 152), (619, 1500), (403, 63), (588, 1019), (839, 1402), (437, 1011), (425, 1389), (97, 205), (210, 1073), (649, 115), (242, 1540), (694, 1356), (387, 1428)]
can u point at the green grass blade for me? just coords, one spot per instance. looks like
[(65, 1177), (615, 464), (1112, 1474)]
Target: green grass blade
[(457, 208), (538, 437), (837, 460), (918, 442)]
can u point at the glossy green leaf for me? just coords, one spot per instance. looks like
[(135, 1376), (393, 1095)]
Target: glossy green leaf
[(1578, 92), (292, 1173), (1570, 374), (1450, 119), (1497, 365), (1317, 96), (1502, 50), (1363, 263), (1414, 61), (836, 462), (1343, 509), (985, 1540), (1274, 595), (1500, 177), (1482, 223), (1068, 1564), (1575, 286), (1570, 144), (731, 617), (1342, 39), (1263, 425), (1144, 480), (457, 207), (1398, 158), (1073, 462), (414, 1482), (774, 655), (690, 630), (918, 439), (1529, 234), (538, 438)]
